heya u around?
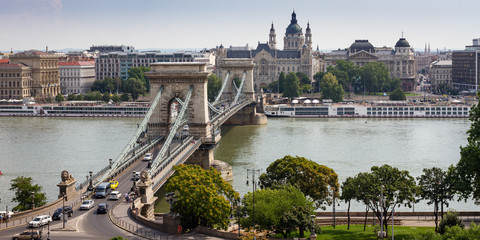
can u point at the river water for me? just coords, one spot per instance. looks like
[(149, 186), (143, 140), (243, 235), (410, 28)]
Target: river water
[(43, 147)]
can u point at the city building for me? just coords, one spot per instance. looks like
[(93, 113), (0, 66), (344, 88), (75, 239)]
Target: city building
[(116, 64), (440, 74), (30, 74), (465, 66), (296, 55), (76, 76), (112, 48), (399, 60)]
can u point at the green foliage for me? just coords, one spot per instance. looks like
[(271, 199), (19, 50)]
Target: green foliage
[(397, 95), (449, 220), (375, 77), (135, 87), (124, 97), (203, 197), (139, 73), (48, 98), (467, 172), (237, 82), (93, 96), (106, 97), (318, 77), (107, 85), (331, 89), (23, 193), (304, 80), (313, 179), (291, 86), (435, 187), (59, 98), (71, 97), (115, 98), (213, 87), (399, 188), (451, 233), (118, 238), (80, 97), (346, 73), (282, 79), (272, 87), (281, 210)]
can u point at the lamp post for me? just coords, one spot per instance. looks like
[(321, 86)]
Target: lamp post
[(333, 209), (312, 232), (252, 172), (381, 213), (90, 186), (33, 198), (134, 186), (63, 209)]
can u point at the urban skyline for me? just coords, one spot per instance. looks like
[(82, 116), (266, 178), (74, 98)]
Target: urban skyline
[(206, 24)]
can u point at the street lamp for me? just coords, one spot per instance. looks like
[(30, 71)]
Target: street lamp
[(333, 209), (312, 232), (90, 186), (33, 202), (63, 209), (134, 186), (252, 172)]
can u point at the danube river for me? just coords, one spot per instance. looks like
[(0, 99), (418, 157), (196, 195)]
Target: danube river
[(43, 147)]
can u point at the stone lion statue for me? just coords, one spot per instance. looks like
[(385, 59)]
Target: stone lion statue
[(66, 177), (144, 176)]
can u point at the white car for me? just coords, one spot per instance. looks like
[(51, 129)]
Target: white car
[(115, 195), (40, 221), (87, 204), (148, 157)]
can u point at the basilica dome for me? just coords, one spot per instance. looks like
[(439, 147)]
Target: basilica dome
[(360, 45), (294, 28), (402, 42)]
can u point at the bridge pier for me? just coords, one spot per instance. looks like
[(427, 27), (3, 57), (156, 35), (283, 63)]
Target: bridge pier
[(247, 116), (203, 157), (147, 199)]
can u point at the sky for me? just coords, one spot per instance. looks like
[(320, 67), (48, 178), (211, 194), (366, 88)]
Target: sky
[(181, 24)]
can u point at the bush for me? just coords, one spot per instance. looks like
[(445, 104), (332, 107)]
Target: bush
[(449, 220)]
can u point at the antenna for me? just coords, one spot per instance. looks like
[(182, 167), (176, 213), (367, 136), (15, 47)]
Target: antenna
[(402, 33)]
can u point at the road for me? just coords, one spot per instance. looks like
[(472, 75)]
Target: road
[(88, 224)]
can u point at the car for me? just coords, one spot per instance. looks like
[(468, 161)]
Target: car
[(28, 235), (87, 204), (102, 190), (148, 157), (136, 176), (115, 195), (57, 215), (102, 208), (113, 184), (40, 221)]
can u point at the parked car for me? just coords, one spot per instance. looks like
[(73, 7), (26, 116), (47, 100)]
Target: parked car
[(102, 208), (148, 157), (115, 195), (40, 221), (113, 184), (87, 204), (28, 235), (57, 215)]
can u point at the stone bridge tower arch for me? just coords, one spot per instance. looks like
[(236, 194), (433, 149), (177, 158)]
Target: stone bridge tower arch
[(235, 68), (176, 79)]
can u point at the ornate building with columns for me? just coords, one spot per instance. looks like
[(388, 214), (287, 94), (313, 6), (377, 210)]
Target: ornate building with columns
[(399, 60), (296, 55)]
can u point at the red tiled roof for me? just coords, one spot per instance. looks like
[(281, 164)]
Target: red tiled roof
[(11, 65), (4, 61), (77, 63)]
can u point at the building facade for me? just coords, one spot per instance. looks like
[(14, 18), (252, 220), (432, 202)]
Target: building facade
[(441, 74), (76, 76), (112, 48), (30, 74), (399, 60), (296, 55), (465, 67), (116, 64)]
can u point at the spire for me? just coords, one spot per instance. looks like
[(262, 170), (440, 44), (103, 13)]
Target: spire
[(294, 17), (272, 29), (428, 48), (318, 48), (425, 52), (308, 26)]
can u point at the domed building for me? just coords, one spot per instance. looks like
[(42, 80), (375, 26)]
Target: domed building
[(399, 60), (296, 55)]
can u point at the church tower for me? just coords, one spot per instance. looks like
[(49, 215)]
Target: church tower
[(272, 42), (293, 39), (308, 36)]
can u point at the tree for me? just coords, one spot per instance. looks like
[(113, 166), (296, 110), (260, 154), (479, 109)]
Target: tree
[(318, 77), (303, 78), (313, 179), (124, 97), (115, 98), (375, 76), (59, 98), (213, 87), (71, 97), (23, 193), (467, 173), (398, 188), (282, 81), (331, 89), (106, 97), (397, 95), (291, 86), (281, 210), (349, 192), (435, 188), (139, 73), (80, 97), (203, 198), (451, 219), (135, 87)]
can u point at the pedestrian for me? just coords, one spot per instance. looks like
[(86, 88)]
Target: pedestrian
[(1, 218), (9, 215)]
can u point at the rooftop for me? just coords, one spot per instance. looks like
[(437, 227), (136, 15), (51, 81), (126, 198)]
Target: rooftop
[(77, 63)]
